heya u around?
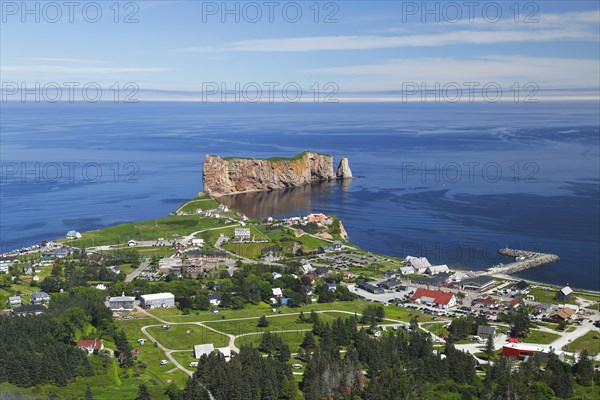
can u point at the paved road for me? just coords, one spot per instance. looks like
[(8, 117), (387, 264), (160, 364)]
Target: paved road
[(136, 272)]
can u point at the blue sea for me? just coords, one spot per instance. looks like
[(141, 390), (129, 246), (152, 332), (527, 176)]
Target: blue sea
[(452, 182)]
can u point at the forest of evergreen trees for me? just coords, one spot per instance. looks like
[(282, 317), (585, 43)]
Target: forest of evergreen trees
[(396, 366), (39, 349)]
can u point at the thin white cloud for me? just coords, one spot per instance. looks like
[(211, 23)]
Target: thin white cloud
[(61, 69), (62, 59), (572, 27), (545, 72)]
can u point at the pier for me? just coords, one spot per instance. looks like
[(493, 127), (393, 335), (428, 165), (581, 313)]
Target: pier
[(523, 260)]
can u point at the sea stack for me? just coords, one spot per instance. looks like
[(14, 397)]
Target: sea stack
[(343, 170)]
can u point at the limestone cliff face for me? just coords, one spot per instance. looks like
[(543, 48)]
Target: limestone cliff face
[(234, 175), (343, 170)]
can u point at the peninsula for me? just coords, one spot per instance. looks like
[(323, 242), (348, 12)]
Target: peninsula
[(229, 175)]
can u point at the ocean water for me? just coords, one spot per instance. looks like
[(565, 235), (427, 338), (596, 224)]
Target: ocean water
[(452, 182)]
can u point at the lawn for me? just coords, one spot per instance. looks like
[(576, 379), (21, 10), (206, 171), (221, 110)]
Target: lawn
[(547, 296), (147, 230), (276, 323), (292, 339), (182, 337), (590, 341), (540, 337), (204, 202)]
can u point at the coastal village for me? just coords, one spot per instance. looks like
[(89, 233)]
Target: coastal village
[(305, 264)]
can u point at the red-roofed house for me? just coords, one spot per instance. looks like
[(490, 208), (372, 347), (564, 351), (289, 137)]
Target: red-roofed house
[(434, 297), (90, 345), (485, 301)]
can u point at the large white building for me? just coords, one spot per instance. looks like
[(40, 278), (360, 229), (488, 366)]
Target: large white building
[(157, 300), (241, 233)]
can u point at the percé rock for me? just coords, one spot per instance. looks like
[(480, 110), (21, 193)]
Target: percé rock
[(343, 170), (235, 175)]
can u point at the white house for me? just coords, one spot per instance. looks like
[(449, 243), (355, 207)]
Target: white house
[(73, 235), (241, 233), (420, 264), (215, 299), (3, 268), (437, 269), (198, 242), (202, 349), (276, 275), (277, 292)]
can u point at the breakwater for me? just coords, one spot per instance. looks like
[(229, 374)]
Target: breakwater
[(523, 260)]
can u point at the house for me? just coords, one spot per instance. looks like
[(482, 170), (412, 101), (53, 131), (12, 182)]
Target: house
[(121, 303), (270, 251), (277, 292), (306, 268), (316, 217), (307, 289), (436, 269), (419, 264), (390, 284), (157, 300), (241, 233), (564, 294), (198, 242), (437, 280), (114, 269), (284, 301), (14, 301), (485, 301), (40, 298), (460, 275), (434, 297), (90, 345), (215, 299), (485, 331), (348, 275), (310, 277), (27, 270), (336, 245), (563, 314), (222, 208), (321, 271), (29, 309), (4, 268), (514, 303), (332, 287), (369, 288), (519, 351), (406, 270), (276, 275), (60, 253), (73, 235), (206, 349), (476, 284), (520, 287)]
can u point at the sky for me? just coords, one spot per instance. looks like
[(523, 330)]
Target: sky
[(344, 48)]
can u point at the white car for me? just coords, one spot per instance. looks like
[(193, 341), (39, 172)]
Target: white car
[(164, 362), (296, 366), (194, 364)]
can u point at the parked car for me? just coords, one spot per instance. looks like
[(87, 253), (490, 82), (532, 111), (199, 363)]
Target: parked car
[(164, 362), (194, 364)]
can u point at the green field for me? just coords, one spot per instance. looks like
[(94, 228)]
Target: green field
[(276, 323), (540, 337), (547, 296), (292, 339), (182, 337), (589, 341), (204, 202), (147, 230)]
